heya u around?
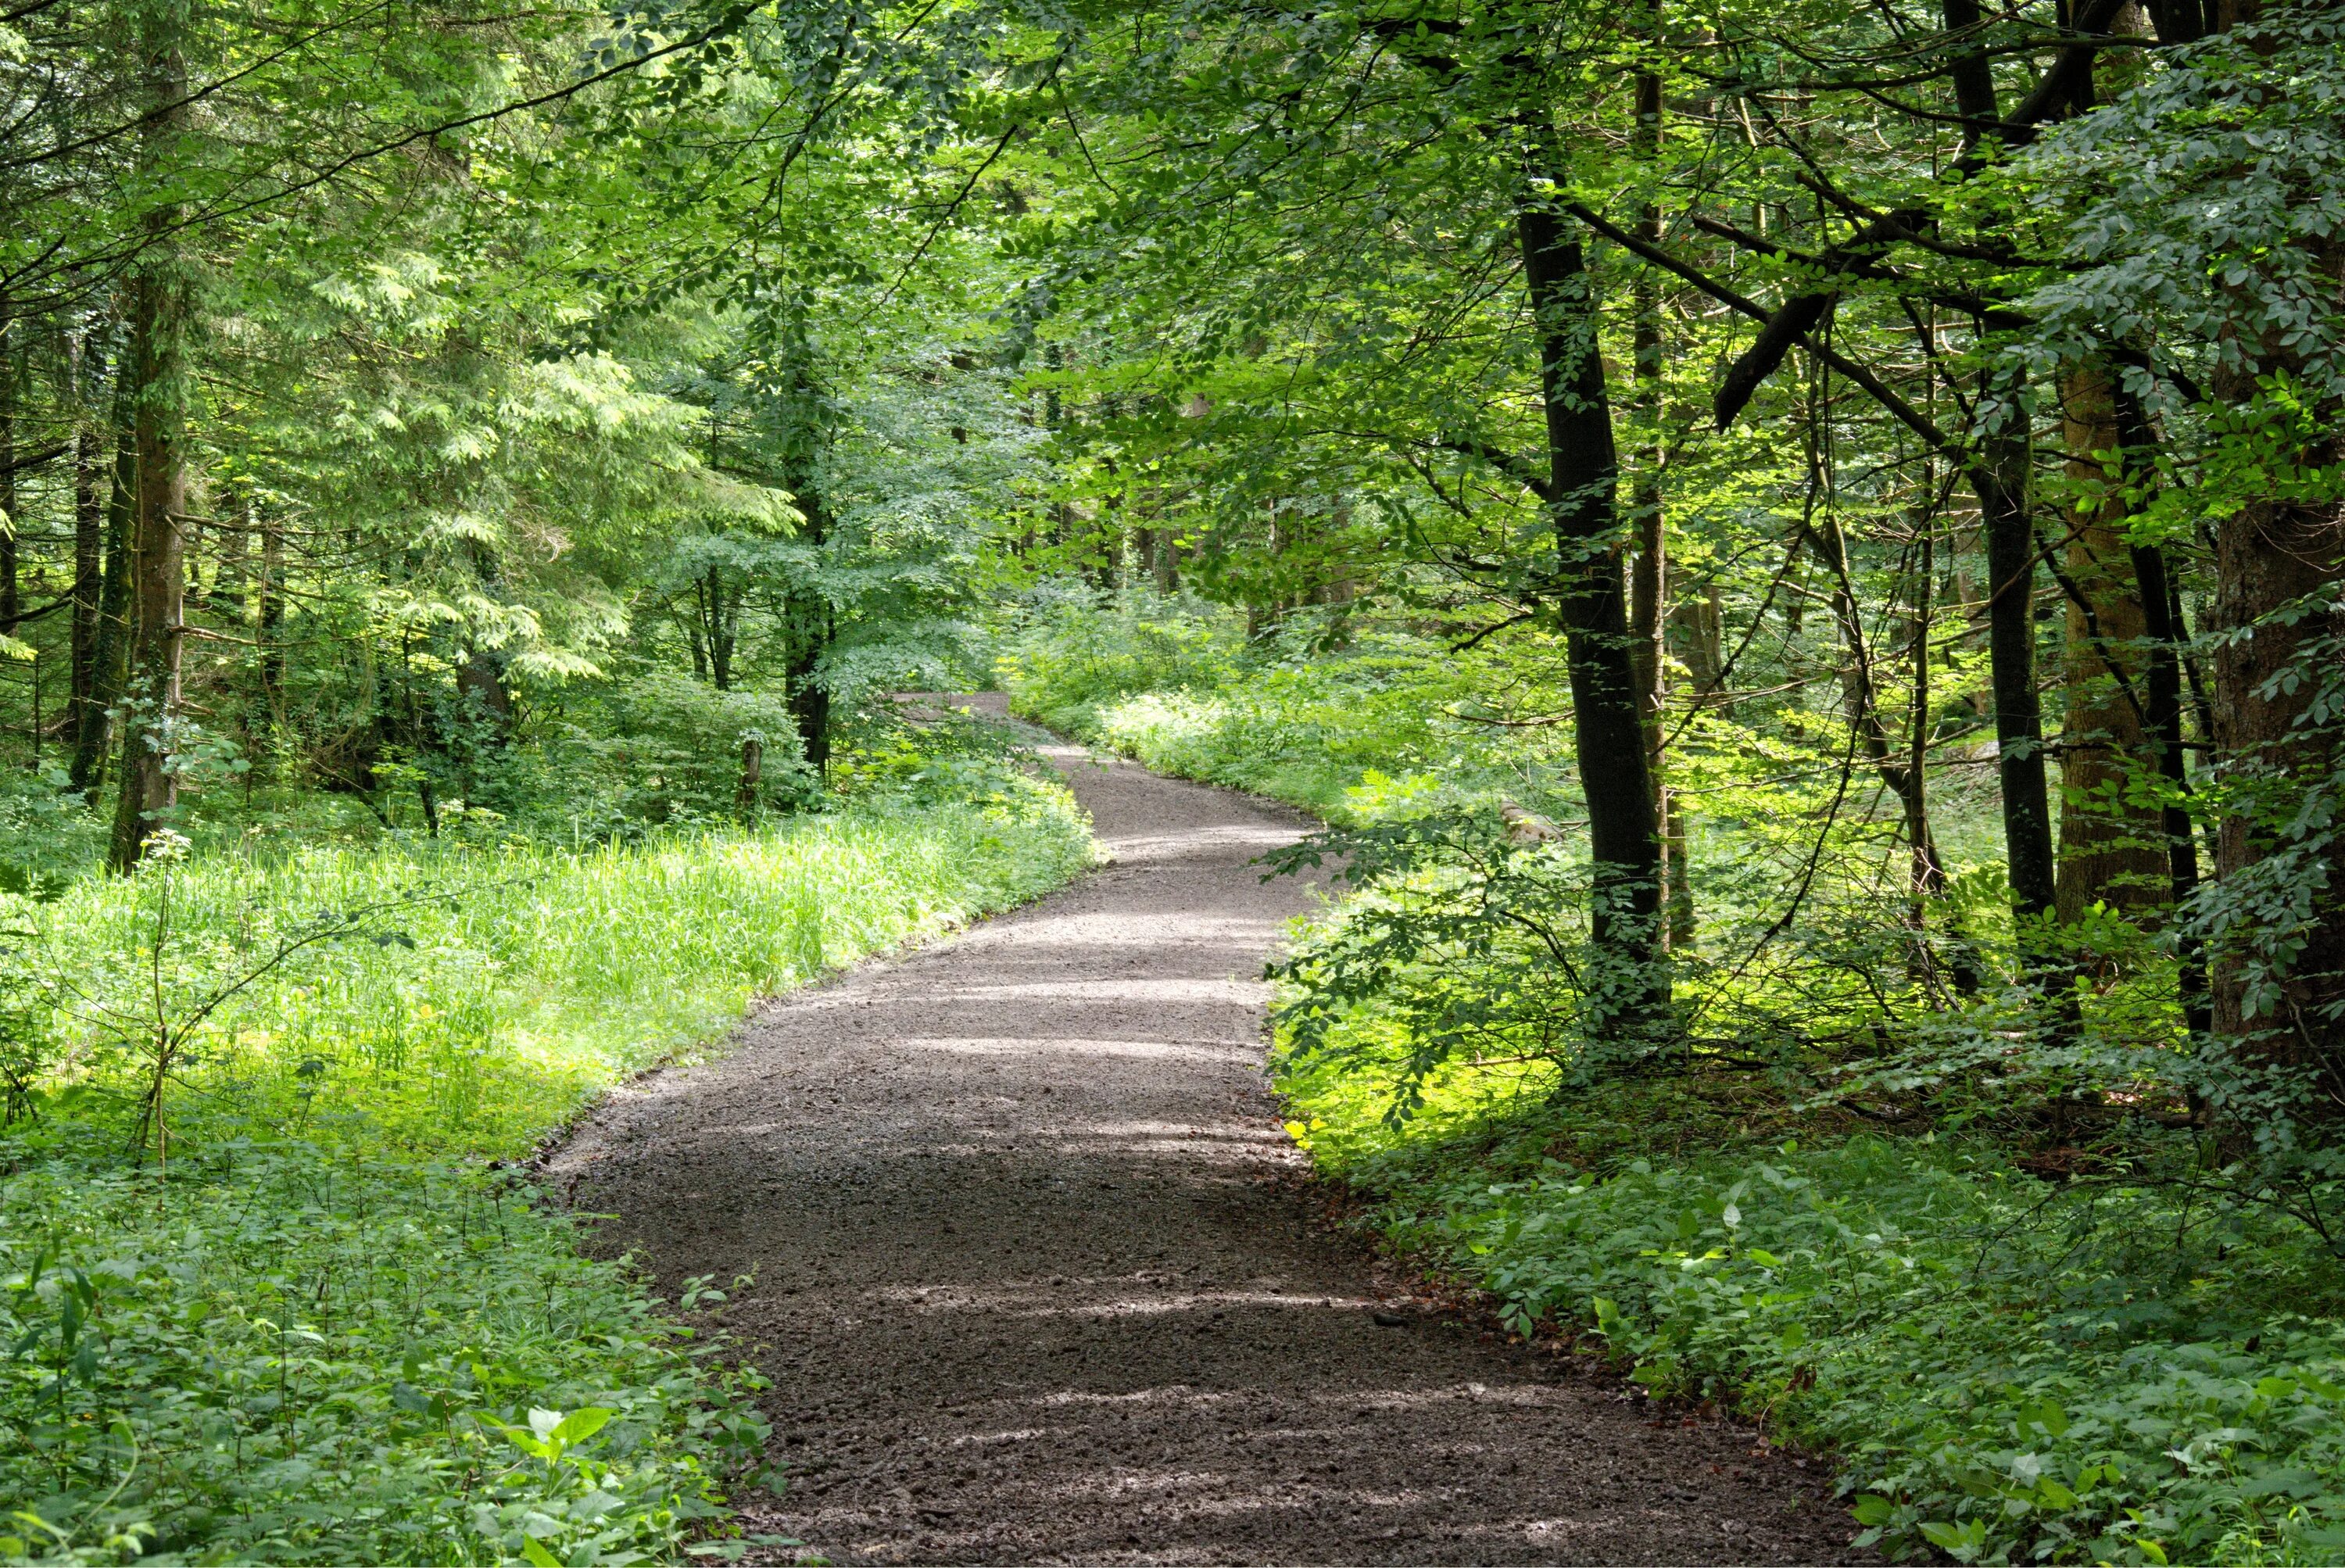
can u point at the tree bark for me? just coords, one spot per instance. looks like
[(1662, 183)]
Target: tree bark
[(2110, 842), (89, 549), (11, 605), (158, 566), (93, 742), (752, 773), (1999, 478), (2279, 625), (269, 619), (718, 618), (1583, 475), (160, 304), (1649, 593)]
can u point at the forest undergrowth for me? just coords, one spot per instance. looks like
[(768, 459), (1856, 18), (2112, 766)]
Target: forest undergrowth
[(274, 1286), (2016, 1343)]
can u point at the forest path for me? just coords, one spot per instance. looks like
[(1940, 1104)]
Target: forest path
[(1034, 1283)]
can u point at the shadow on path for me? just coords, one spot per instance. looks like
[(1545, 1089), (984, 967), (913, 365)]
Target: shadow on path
[(1032, 1285)]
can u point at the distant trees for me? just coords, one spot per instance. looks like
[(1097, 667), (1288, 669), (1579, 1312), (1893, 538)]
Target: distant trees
[(374, 370)]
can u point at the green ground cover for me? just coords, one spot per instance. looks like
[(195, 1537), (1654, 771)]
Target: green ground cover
[(2015, 1347), (265, 1299), (2006, 1367)]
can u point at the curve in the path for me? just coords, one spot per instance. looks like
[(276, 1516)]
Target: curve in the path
[(1033, 1284)]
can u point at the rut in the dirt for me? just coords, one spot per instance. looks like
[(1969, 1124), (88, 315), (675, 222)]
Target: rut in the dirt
[(1032, 1283)]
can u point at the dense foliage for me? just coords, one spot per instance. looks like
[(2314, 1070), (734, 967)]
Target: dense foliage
[(1801, 550)]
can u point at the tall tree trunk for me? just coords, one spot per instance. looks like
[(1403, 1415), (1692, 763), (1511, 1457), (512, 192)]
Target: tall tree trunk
[(2268, 672), (2162, 685), (719, 617), (89, 547), (2110, 849), (1649, 593), (269, 619), (159, 307), (11, 604), (2162, 702), (93, 742), (2274, 663), (1582, 499), (811, 631), (1999, 478), (2279, 625)]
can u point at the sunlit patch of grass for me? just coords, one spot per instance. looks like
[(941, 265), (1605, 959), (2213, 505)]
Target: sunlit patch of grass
[(494, 988), (324, 1331)]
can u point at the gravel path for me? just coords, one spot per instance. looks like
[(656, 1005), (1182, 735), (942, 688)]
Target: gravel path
[(1034, 1282)]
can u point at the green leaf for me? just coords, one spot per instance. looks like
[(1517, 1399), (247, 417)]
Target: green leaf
[(581, 1424), (1962, 1542), (537, 1554)]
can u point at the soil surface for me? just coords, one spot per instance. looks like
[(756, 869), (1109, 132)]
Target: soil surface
[(1036, 1279)]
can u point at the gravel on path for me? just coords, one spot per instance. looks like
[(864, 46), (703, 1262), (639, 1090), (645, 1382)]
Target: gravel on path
[(1034, 1282)]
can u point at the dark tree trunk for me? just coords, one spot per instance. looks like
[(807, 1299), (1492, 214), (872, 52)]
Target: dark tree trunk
[(270, 623), (2162, 704), (480, 679), (810, 704), (12, 604), (1999, 478), (2279, 619), (752, 773), (158, 567), (2271, 742), (2162, 689), (111, 641), (1583, 475), (720, 616), (90, 551), (2276, 555), (159, 308)]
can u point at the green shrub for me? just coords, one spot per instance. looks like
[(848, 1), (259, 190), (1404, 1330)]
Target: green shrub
[(2007, 1367)]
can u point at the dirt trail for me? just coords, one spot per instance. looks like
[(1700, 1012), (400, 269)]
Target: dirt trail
[(1034, 1284)]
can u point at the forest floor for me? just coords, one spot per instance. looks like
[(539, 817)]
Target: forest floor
[(1035, 1279)]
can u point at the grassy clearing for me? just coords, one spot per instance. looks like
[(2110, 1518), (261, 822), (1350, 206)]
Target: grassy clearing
[(1174, 688), (326, 1333)]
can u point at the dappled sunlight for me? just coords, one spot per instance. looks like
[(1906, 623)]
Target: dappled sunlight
[(1136, 989), (1053, 1046), (1019, 1298)]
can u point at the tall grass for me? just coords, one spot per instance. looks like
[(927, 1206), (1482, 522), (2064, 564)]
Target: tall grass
[(465, 998)]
